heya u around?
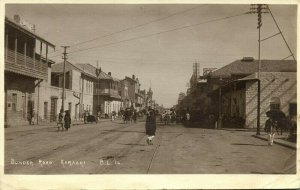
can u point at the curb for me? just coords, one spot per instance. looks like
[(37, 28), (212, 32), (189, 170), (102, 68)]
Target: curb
[(279, 142), (43, 126)]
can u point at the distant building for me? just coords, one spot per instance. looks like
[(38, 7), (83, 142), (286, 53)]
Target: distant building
[(126, 100), (106, 91), (134, 92), (181, 96)]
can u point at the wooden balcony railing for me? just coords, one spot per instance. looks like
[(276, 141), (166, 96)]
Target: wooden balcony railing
[(107, 91), (18, 62)]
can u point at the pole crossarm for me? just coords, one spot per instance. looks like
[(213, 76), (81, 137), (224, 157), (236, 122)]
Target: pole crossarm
[(287, 57), (270, 36)]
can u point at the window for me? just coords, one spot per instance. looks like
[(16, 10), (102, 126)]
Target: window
[(14, 102), (70, 107), (293, 109), (275, 103), (80, 83), (86, 86), (45, 110)]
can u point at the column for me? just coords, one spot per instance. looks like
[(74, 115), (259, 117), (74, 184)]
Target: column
[(6, 45), (41, 48), (25, 51), (16, 47), (46, 59), (33, 56)]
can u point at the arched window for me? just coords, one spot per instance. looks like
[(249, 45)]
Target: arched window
[(275, 103)]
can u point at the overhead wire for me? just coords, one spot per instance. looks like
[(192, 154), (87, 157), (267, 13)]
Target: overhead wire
[(137, 26), (158, 33)]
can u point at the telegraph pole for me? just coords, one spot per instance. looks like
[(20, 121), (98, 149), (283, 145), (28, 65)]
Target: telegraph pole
[(98, 71), (259, 9), (65, 57)]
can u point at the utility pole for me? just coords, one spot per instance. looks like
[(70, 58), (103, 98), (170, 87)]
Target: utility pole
[(64, 77), (98, 71), (259, 9)]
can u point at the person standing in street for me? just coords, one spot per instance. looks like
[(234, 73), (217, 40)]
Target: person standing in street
[(32, 119), (188, 117), (60, 122), (67, 119), (150, 125)]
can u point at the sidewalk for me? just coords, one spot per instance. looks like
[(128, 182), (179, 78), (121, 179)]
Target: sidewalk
[(279, 139), (43, 126)]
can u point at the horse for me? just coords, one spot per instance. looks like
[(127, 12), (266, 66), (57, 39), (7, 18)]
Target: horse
[(277, 120), (173, 117), (127, 117), (166, 118)]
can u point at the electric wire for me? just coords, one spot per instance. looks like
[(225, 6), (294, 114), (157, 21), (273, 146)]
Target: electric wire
[(281, 34), (137, 26), (158, 33)]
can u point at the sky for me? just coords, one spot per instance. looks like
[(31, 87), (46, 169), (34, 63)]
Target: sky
[(161, 59)]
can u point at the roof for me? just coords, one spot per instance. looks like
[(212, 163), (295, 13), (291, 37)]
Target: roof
[(85, 68), (131, 79), (240, 67), (58, 67), (90, 69), (26, 31)]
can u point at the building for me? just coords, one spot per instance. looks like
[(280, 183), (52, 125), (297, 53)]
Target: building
[(233, 88), (106, 90), (134, 92), (26, 67), (181, 96), (126, 101), (79, 90)]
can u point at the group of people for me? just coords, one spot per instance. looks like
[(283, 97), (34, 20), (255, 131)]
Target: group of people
[(64, 120), (129, 115)]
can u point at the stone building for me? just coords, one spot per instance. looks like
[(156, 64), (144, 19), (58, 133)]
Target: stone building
[(233, 89), (26, 67)]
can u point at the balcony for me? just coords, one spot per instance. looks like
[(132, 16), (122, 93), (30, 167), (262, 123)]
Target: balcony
[(19, 63), (108, 92)]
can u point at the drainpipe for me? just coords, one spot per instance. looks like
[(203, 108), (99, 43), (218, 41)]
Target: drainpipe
[(38, 102)]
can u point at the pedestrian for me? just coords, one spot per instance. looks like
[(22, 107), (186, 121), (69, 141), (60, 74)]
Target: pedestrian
[(86, 114), (134, 116), (113, 115), (188, 116), (60, 122), (67, 120), (98, 115), (32, 120), (271, 133), (150, 125)]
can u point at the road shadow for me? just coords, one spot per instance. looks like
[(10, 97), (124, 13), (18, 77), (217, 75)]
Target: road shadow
[(132, 144), (123, 131), (51, 131), (246, 144)]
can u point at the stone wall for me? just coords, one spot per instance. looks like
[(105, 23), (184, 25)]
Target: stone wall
[(273, 84)]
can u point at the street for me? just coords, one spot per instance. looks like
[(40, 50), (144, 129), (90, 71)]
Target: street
[(118, 148)]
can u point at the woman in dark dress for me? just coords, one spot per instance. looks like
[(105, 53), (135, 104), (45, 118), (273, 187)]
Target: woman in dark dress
[(67, 119), (150, 125)]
